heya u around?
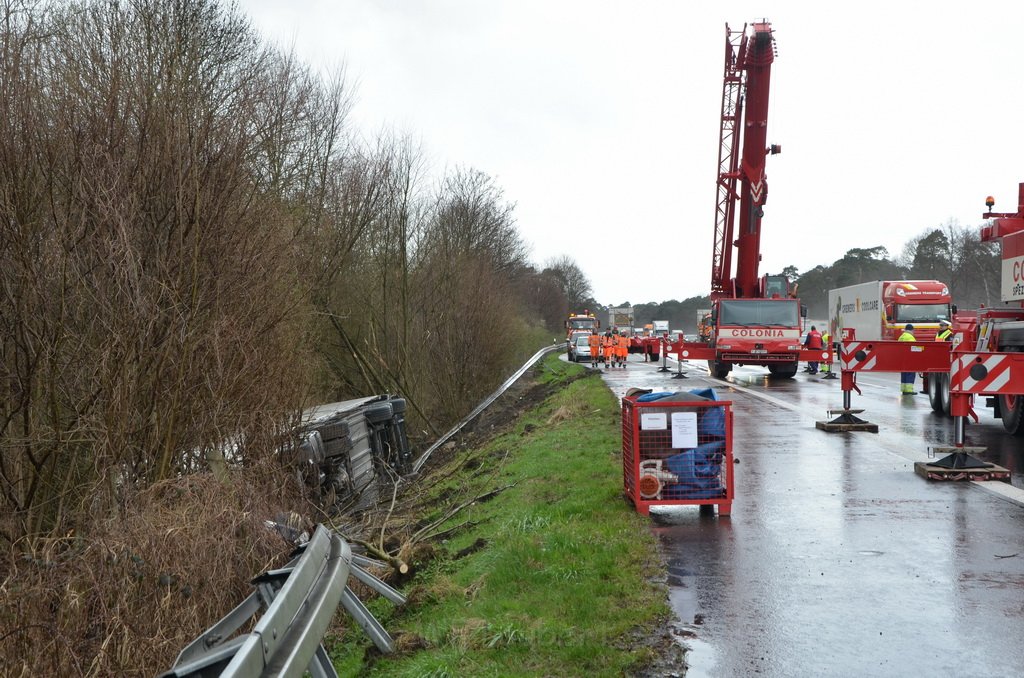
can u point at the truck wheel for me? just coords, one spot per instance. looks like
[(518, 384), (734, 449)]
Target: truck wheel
[(933, 393), (787, 371), (1011, 406), (942, 385), (938, 393), (719, 370)]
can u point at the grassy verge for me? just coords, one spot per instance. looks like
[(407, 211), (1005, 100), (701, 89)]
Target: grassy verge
[(549, 573)]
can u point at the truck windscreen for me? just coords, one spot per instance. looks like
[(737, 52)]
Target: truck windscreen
[(921, 313), (759, 313)]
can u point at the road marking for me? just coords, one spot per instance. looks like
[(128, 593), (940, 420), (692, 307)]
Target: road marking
[(1002, 490)]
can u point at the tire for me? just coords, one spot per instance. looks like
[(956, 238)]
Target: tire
[(378, 412), (942, 384), (787, 371), (337, 447), (333, 431), (1011, 407), (719, 370), (935, 392)]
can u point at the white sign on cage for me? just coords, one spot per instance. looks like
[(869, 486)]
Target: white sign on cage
[(653, 421), (684, 429)]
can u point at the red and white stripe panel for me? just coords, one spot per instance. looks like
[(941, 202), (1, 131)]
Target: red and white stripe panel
[(849, 359), (983, 373)]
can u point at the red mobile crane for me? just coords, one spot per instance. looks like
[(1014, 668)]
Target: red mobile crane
[(754, 320)]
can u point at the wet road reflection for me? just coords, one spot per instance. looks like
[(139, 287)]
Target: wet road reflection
[(838, 560)]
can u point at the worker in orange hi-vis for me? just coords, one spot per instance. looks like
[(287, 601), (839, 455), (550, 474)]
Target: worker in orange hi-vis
[(594, 341), (622, 350), (608, 348)]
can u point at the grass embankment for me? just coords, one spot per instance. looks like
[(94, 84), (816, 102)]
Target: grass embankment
[(552, 576)]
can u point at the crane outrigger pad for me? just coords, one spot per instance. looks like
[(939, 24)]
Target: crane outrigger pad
[(846, 421), (960, 464)]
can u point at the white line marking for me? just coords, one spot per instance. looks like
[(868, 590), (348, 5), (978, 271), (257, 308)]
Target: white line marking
[(1000, 489)]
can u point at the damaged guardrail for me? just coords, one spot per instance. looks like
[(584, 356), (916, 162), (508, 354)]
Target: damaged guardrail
[(483, 405), (300, 600)]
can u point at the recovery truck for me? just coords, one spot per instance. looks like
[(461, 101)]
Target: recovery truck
[(880, 309), (754, 320), (985, 358), (579, 323)]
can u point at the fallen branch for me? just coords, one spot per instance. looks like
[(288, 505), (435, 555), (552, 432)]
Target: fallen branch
[(454, 511), (444, 533), (397, 564)]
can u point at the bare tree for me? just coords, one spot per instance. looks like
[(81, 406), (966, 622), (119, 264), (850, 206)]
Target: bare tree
[(575, 284), (159, 166)]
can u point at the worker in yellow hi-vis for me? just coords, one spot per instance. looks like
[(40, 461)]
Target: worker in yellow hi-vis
[(907, 378), (826, 367)]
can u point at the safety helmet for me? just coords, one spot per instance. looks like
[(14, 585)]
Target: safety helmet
[(943, 323)]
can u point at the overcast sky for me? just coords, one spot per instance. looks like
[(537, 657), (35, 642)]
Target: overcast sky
[(600, 119)]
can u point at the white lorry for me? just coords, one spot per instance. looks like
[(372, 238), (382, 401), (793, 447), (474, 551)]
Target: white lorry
[(880, 309)]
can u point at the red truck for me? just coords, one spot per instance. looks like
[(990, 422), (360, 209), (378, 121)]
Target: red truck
[(880, 309), (579, 323)]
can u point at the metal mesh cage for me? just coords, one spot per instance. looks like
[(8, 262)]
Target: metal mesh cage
[(677, 452)]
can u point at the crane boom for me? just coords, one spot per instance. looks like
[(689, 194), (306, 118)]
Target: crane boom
[(748, 61)]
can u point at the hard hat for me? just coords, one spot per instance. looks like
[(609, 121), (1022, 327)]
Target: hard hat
[(909, 328), (944, 322)]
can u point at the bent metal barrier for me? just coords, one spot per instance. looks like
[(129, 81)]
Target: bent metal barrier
[(300, 600), (483, 405)]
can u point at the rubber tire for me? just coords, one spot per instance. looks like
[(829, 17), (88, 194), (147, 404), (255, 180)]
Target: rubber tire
[(333, 431), (933, 393), (1011, 407), (945, 401), (719, 370), (783, 371), (337, 447), (397, 405), (938, 393), (378, 412)]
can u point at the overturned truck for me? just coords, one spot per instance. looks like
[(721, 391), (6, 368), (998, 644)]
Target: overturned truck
[(345, 447)]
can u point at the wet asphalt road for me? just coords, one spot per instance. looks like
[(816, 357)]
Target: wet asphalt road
[(838, 560)]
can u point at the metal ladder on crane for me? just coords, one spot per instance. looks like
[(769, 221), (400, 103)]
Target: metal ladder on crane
[(985, 335), (728, 157)]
